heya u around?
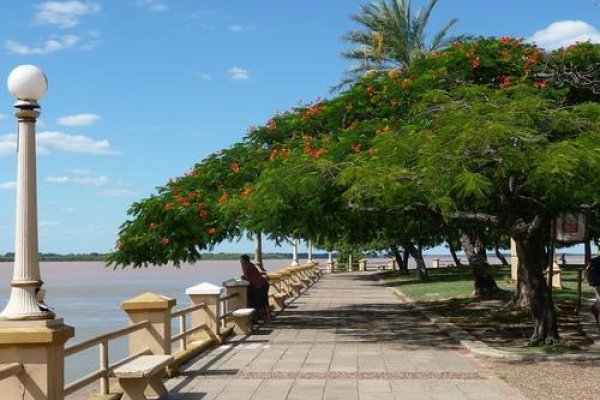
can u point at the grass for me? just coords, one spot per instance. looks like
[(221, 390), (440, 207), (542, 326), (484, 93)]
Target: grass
[(449, 293)]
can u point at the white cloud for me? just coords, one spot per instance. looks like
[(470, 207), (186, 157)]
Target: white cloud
[(77, 171), (205, 77), (52, 45), (73, 143), (78, 120), (118, 192), (66, 14), (239, 74), (47, 141), (8, 185), (77, 180), (48, 223), (240, 28), (153, 5), (8, 144), (565, 33)]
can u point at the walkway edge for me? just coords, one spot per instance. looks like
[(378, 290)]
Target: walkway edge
[(477, 347)]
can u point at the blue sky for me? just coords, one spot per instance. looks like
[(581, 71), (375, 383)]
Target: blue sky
[(140, 90)]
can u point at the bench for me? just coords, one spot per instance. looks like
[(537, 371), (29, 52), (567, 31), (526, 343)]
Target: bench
[(242, 320), (143, 374)]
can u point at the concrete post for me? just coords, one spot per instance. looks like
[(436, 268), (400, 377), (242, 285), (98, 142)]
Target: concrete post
[(238, 288), (362, 264), (514, 261), (210, 295), (39, 346), (295, 261), (156, 309)]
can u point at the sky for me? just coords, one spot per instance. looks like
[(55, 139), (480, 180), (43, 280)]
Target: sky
[(141, 90)]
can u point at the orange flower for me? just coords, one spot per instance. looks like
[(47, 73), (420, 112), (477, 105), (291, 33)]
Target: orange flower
[(475, 62), (273, 154), (202, 205), (235, 167), (164, 241), (540, 83), (357, 147), (211, 231), (152, 226), (371, 90), (394, 73), (169, 206), (203, 214), (272, 124), (224, 197), (245, 193), (506, 40), (406, 83), (313, 111)]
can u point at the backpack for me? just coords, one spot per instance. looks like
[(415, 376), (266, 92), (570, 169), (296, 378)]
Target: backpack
[(593, 272)]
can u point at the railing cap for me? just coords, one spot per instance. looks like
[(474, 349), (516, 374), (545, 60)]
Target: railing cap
[(204, 288), (148, 301), (235, 282)]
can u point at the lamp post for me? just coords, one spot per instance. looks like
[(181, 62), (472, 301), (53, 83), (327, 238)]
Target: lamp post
[(28, 84), (295, 261), (310, 255)]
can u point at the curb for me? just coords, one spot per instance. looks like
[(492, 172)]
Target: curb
[(477, 347)]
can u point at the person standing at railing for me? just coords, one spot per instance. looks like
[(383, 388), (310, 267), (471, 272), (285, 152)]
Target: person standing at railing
[(593, 278), (258, 290)]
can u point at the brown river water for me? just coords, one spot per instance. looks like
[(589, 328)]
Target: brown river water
[(87, 295)]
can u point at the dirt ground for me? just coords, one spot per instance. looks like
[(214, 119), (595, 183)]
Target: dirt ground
[(578, 380)]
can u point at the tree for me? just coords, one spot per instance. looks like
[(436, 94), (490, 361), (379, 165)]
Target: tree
[(392, 37)]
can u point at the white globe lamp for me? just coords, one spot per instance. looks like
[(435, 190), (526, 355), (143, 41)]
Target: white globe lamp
[(27, 83)]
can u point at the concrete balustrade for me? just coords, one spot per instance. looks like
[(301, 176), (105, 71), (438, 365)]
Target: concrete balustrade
[(156, 309), (210, 315), (33, 353)]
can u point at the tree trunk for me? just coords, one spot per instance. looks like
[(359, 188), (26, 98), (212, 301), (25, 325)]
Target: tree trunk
[(416, 254), (484, 283), (453, 253), (500, 256), (521, 296), (531, 254), (481, 251), (405, 259), (587, 251), (398, 257)]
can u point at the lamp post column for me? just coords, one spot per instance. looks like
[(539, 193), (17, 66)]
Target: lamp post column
[(26, 273), (295, 261)]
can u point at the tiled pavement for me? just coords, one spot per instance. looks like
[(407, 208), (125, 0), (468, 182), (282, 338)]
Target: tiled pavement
[(346, 338)]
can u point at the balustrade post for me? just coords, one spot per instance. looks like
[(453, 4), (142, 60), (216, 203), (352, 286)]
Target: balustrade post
[(239, 289), (210, 295), (157, 310), (40, 347)]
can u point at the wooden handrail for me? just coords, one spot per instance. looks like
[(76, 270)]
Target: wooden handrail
[(91, 377), (9, 370), (188, 310), (188, 332), (229, 296), (96, 340)]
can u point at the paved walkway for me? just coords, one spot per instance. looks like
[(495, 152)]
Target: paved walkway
[(346, 338)]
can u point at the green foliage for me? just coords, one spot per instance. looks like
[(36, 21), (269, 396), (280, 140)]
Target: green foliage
[(486, 126)]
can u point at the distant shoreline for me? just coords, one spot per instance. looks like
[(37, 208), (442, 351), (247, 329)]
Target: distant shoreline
[(53, 257)]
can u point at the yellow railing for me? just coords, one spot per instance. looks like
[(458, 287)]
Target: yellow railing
[(6, 371), (184, 332), (103, 372)]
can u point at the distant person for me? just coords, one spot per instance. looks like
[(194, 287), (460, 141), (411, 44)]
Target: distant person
[(258, 290), (593, 278), (563, 259)]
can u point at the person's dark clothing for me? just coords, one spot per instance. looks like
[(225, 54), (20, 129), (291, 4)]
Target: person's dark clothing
[(258, 290)]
